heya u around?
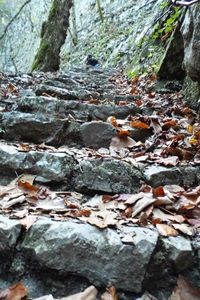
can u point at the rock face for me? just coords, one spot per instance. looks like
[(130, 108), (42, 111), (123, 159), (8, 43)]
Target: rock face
[(191, 37), (20, 57), (113, 41)]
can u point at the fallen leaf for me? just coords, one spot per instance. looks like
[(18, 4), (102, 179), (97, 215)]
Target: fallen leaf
[(159, 214), (151, 95), (169, 124), (26, 186), (28, 221), (134, 198), (110, 294), (138, 124), (15, 292), (133, 90), (166, 230), (184, 228), (122, 133), (185, 290), (141, 204), (112, 120), (118, 143), (158, 192)]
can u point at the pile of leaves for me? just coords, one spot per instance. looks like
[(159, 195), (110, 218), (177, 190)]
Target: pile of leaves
[(171, 209), (184, 290)]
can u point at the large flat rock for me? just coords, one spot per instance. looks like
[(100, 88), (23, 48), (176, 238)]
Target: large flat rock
[(97, 255), (78, 109)]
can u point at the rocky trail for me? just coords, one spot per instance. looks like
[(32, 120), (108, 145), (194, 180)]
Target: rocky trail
[(99, 180)]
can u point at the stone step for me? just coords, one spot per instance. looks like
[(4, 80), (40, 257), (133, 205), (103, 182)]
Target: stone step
[(79, 110), (87, 172), (81, 255), (39, 128)]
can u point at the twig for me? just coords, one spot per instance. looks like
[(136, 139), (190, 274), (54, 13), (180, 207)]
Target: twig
[(184, 2), (159, 18), (146, 4), (13, 18)]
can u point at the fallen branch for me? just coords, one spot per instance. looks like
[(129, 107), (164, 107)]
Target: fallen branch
[(13, 18)]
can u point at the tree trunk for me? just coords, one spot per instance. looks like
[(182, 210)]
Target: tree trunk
[(53, 34)]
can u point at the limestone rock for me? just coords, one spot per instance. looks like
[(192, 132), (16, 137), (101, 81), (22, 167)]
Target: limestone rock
[(34, 128), (158, 175), (54, 166), (107, 175), (9, 233), (178, 251), (97, 134), (191, 37), (78, 110), (97, 255)]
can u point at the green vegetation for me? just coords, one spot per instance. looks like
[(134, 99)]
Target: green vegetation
[(100, 11), (44, 47), (152, 48)]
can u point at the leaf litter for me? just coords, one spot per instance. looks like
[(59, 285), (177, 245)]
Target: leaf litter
[(174, 141), (184, 290)]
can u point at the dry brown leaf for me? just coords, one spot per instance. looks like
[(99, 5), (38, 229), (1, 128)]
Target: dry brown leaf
[(27, 187), (185, 290), (123, 133), (28, 221), (166, 230), (27, 178), (101, 219), (112, 120), (138, 124), (118, 143), (141, 204), (158, 192), (134, 198), (133, 90), (15, 292), (159, 214), (110, 294), (185, 228), (162, 201), (168, 161), (169, 124)]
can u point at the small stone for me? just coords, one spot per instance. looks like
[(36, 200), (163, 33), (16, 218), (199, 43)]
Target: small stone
[(97, 134)]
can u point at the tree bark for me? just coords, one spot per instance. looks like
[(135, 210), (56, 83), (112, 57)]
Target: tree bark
[(53, 34)]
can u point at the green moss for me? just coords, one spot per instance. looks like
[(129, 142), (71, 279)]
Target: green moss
[(55, 8), (44, 46)]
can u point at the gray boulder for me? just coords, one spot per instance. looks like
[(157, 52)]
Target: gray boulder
[(97, 255), (54, 166), (158, 175), (36, 128), (107, 175), (178, 251), (9, 233), (97, 134)]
